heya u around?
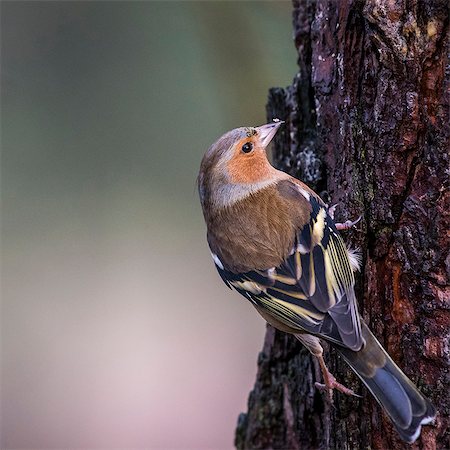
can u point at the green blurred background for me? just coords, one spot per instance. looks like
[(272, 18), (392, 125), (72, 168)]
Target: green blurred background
[(116, 330)]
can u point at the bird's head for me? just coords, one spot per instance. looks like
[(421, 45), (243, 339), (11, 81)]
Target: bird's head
[(236, 165)]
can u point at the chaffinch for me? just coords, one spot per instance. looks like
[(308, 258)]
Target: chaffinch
[(274, 241)]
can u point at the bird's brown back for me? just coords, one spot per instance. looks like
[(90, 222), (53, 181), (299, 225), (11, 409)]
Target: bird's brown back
[(258, 232)]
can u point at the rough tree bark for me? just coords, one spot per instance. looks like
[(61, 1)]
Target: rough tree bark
[(367, 127)]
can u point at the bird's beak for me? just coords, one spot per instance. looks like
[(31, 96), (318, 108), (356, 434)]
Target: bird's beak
[(267, 132)]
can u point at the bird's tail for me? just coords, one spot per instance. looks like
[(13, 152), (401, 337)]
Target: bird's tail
[(394, 391)]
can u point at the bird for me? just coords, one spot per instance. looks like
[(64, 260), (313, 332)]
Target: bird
[(274, 241)]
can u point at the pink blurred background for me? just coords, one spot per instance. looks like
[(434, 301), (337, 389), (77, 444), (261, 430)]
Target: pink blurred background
[(117, 331)]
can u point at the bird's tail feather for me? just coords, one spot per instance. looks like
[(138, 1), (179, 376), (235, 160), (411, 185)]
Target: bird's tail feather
[(394, 391)]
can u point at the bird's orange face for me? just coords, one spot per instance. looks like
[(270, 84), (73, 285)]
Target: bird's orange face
[(236, 165), (246, 162)]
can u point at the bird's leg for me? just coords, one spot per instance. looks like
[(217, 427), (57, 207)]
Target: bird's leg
[(330, 382), (331, 210), (312, 343), (342, 226)]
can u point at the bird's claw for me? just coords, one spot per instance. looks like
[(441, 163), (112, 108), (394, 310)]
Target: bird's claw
[(333, 384), (330, 382), (347, 224), (342, 226)]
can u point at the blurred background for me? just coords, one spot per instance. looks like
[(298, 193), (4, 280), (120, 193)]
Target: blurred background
[(117, 331)]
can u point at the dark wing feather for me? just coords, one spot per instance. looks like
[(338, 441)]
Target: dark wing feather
[(313, 289)]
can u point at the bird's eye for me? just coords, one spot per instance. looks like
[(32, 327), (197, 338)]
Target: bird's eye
[(247, 147)]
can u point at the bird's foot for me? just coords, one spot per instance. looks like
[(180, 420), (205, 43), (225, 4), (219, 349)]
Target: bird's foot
[(342, 226), (330, 382), (333, 384), (347, 224)]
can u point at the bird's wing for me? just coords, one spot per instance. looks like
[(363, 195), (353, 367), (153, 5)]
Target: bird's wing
[(313, 289)]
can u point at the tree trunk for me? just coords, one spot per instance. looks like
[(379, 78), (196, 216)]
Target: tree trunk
[(367, 128)]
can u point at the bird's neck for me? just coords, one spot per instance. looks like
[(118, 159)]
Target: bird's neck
[(228, 195)]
